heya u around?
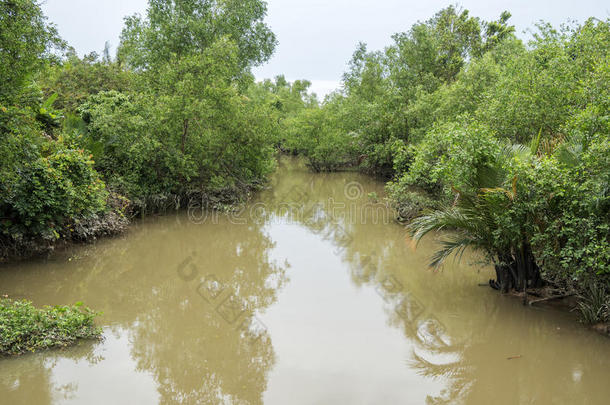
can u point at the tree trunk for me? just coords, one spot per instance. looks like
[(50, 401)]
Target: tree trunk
[(517, 270)]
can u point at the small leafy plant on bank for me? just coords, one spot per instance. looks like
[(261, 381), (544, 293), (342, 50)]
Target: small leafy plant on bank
[(25, 328), (594, 305)]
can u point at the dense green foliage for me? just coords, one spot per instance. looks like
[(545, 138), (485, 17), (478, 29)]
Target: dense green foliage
[(74, 80), (26, 40), (24, 328), (85, 142), (47, 184), (504, 144), (174, 29), (185, 126)]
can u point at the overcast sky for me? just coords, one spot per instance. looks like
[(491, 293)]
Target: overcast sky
[(317, 37)]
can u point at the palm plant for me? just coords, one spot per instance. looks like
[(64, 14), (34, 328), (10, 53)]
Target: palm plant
[(481, 218)]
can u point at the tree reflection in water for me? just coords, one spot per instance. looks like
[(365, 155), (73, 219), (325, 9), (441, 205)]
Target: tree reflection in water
[(470, 354), (31, 378), (194, 353), (180, 296)]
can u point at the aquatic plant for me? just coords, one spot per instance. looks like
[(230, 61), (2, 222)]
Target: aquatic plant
[(25, 328)]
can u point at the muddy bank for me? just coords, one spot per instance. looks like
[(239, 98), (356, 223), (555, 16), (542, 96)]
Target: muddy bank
[(77, 232), (117, 220)]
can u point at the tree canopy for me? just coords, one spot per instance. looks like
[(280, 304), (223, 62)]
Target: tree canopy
[(173, 29)]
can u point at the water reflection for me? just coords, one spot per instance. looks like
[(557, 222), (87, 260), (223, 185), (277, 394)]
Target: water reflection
[(479, 344), (36, 371), (197, 349), (483, 345), (307, 295)]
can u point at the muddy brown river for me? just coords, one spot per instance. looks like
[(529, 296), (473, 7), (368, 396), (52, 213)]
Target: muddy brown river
[(309, 295)]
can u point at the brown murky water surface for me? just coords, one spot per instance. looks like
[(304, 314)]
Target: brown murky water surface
[(311, 295)]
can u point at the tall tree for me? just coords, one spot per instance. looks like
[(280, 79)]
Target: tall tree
[(175, 28), (26, 39), (440, 46)]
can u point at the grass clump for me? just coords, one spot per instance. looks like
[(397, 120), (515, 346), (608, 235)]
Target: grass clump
[(594, 306), (25, 328)]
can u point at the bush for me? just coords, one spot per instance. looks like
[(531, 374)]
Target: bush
[(594, 304), (50, 192), (409, 204), (24, 328), (155, 158), (314, 133), (46, 185), (571, 197), (454, 154)]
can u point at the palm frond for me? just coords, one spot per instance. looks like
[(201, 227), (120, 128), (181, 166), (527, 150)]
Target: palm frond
[(490, 175), (511, 194), (569, 155), (457, 244), (535, 144), (450, 218), (428, 369), (516, 150)]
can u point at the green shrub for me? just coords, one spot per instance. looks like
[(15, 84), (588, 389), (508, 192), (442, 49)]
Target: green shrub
[(314, 133), (45, 184), (455, 154), (24, 328), (594, 305), (409, 204), (571, 197), (50, 192)]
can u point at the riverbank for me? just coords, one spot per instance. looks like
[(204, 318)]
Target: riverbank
[(120, 215), (551, 298), (257, 306), (121, 219), (83, 231)]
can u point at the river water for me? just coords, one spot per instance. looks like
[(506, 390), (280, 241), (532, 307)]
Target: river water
[(309, 295)]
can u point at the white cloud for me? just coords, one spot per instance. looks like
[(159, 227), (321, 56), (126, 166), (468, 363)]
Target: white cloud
[(88, 24), (317, 37)]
